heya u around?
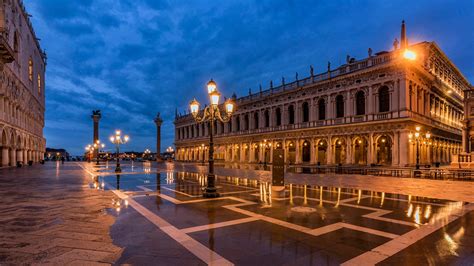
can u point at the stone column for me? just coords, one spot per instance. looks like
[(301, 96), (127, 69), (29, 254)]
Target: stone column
[(298, 151), (158, 121), (19, 156), (5, 156), (25, 156), (13, 157), (96, 115)]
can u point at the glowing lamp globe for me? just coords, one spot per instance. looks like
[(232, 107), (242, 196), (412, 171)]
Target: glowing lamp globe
[(211, 86)]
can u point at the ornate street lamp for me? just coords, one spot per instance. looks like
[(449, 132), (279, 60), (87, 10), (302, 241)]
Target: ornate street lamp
[(418, 137), (118, 140), (210, 114), (97, 146)]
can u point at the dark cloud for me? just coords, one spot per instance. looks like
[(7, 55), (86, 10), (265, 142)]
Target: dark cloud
[(133, 58)]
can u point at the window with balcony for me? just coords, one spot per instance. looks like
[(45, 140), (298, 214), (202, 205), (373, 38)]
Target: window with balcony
[(305, 110), (322, 109), (291, 114), (360, 103), (384, 99), (339, 106), (278, 116)]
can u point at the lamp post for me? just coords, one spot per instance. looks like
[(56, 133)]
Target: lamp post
[(97, 146), (210, 114), (118, 140), (418, 136), (265, 146), (90, 149)]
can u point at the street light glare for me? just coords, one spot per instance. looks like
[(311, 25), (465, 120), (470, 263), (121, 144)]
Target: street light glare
[(410, 55)]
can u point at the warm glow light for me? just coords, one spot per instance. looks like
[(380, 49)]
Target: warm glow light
[(117, 132), (211, 86), (410, 55), (410, 136), (194, 106), (215, 98), (126, 138), (229, 106), (417, 134), (428, 135), (418, 128)]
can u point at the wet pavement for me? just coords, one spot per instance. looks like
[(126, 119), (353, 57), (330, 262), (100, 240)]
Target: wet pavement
[(310, 224), (156, 215)]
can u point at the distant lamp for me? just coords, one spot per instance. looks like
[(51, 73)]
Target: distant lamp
[(211, 86), (229, 106), (410, 55), (194, 106)]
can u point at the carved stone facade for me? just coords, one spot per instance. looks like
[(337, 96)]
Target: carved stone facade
[(361, 113), (22, 68)]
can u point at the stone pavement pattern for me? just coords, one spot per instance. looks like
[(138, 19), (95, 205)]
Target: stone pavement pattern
[(49, 214)]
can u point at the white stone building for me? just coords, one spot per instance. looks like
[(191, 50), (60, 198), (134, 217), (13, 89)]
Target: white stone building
[(22, 95), (361, 113)]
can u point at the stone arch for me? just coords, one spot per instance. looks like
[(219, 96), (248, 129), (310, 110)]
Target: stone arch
[(384, 149), (339, 145), (291, 148), (322, 148), (360, 147), (306, 151)]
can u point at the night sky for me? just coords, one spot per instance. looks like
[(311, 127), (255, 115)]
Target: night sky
[(134, 58)]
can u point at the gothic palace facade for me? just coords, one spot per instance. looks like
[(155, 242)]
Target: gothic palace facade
[(22, 68), (364, 112)]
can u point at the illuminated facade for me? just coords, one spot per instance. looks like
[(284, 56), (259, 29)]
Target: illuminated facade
[(22, 68), (362, 113)]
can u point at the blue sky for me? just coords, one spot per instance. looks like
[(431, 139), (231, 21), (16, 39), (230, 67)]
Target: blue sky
[(134, 58)]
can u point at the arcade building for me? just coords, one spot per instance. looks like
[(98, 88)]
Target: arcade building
[(386, 109), (22, 102)]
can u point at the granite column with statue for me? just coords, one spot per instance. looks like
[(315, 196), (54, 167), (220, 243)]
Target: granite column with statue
[(158, 122), (96, 116)]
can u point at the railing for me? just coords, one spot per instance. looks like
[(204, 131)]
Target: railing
[(427, 172)]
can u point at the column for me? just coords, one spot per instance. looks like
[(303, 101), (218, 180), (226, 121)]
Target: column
[(404, 147), (25, 156), (370, 149), (313, 152), (298, 151), (5, 156), (13, 157), (348, 150), (19, 156)]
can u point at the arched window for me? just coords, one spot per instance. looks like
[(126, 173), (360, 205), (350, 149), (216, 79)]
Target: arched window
[(267, 118), (384, 99), (30, 69), (291, 114), (305, 108), (229, 126), (246, 122), (255, 119), (39, 84), (322, 109), (360, 103), (339, 106), (278, 116), (237, 122)]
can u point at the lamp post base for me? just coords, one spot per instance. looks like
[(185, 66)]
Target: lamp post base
[(210, 193)]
